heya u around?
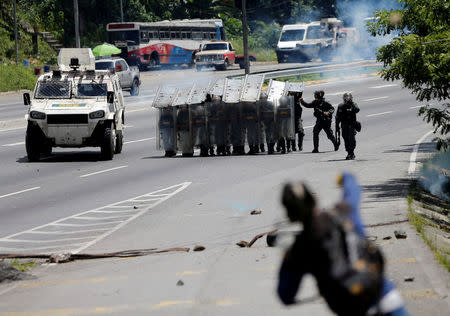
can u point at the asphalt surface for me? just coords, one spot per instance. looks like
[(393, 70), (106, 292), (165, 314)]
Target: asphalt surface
[(72, 201)]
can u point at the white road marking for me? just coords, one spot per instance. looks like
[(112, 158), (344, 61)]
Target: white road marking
[(384, 86), (139, 140), (376, 114), (415, 107), (412, 158), (19, 192), (14, 144), (70, 222), (103, 171), (12, 129), (308, 127), (339, 93), (373, 99), (128, 126)]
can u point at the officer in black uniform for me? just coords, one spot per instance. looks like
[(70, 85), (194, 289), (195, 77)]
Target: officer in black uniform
[(298, 121), (323, 111), (346, 116), (167, 130)]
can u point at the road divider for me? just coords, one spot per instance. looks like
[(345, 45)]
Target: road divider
[(67, 234)]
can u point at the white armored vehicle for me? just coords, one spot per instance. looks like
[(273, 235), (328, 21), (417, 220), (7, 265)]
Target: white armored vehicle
[(75, 106)]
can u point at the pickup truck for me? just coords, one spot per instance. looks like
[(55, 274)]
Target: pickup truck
[(129, 77), (218, 54)]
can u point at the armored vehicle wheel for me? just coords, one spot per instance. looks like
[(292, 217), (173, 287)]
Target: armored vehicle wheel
[(119, 142), (32, 141), (108, 143), (135, 88)]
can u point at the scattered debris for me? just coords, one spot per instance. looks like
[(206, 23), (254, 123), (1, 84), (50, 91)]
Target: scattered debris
[(200, 203), (9, 273), (387, 238), (409, 279), (255, 212), (400, 234), (61, 258), (135, 207), (372, 238), (242, 244), (388, 223), (199, 248), (180, 283)]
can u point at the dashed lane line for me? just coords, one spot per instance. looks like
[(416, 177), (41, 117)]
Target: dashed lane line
[(377, 114), (66, 234), (374, 99), (102, 171), (138, 140), (416, 107), (19, 192), (339, 93), (13, 144), (412, 158), (384, 86)]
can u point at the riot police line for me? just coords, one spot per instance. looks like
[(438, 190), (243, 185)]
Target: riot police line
[(221, 117)]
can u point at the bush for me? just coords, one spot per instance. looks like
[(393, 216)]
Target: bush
[(14, 78)]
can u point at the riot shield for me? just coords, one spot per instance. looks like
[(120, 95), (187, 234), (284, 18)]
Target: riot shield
[(231, 97), (250, 93), (285, 117), (217, 88), (196, 101), (276, 90), (166, 119), (267, 115), (184, 128)]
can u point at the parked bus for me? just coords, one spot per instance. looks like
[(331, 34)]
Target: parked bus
[(148, 44)]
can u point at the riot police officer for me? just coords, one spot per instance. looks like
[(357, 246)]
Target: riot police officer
[(323, 111), (250, 119), (283, 119), (267, 111), (298, 122), (184, 131), (346, 117), (167, 130)]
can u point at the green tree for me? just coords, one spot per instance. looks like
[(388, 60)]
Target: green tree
[(420, 57)]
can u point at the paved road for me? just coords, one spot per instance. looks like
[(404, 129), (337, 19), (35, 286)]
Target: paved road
[(139, 200)]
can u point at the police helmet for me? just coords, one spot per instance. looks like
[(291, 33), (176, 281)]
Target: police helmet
[(216, 99), (347, 97), (284, 101), (319, 94)]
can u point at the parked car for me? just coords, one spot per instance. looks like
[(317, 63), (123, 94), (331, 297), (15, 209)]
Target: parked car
[(129, 76)]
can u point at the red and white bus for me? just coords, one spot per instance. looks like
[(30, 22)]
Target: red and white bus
[(148, 44)]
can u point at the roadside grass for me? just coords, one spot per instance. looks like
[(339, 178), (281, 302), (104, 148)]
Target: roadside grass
[(23, 267), (264, 54), (420, 223), (13, 78)]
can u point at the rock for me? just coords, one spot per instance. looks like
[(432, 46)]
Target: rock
[(409, 279), (271, 239), (387, 238), (255, 212), (198, 248), (135, 207), (60, 257), (400, 234), (372, 238), (180, 283), (242, 244), (200, 203)]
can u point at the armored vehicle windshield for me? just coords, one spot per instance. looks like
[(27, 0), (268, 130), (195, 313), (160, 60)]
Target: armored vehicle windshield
[(92, 90), (53, 90)]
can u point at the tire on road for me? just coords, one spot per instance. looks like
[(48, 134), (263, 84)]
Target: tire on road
[(119, 142), (32, 144), (134, 91), (108, 143)]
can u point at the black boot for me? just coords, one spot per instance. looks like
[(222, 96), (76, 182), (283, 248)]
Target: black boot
[(261, 148), (227, 150), (336, 145), (300, 143), (315, 150), (270, 150), (251, 151), (293, 145), (211, 151), (203, 151), (288, 145)]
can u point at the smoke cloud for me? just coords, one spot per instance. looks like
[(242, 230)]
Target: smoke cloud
[(435, 176)]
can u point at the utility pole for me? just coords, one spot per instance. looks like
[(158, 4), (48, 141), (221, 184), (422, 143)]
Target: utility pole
[(77, 24), (244, 35), (15, 34), (121, 11)]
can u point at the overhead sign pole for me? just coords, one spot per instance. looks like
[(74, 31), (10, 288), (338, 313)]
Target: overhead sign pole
[(244, 35), (77, 26)]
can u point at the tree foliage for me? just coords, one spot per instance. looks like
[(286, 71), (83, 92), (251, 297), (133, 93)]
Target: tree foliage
[(420, 56)]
